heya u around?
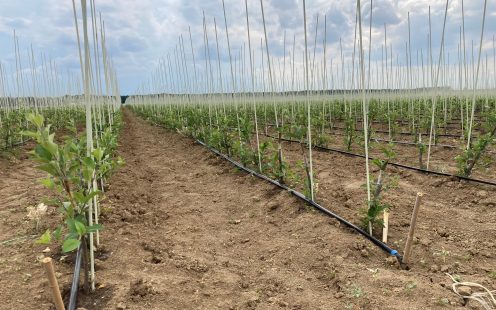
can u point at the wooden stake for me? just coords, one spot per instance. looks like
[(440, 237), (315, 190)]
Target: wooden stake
[(413, 222), (386, 227), (57, 298)]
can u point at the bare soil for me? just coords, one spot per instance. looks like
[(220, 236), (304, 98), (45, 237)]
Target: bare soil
[(185, 230)]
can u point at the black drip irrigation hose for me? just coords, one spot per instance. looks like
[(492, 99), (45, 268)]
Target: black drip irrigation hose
[(17, 144), (371, 238), (327, 149), (446, 146), (75, 279), (404, 133)]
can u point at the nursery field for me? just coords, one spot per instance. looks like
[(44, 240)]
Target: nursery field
[(304, 155), (187, 229)]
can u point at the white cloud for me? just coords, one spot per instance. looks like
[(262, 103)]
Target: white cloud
[(139, 33)]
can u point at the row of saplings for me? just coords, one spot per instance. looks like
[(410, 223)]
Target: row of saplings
[(465, 161), (14, 122), (232, 134), (76, 177)]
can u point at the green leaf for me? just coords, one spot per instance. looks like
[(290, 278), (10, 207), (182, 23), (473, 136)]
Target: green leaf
[(88, 174), (79, 197), (48, 182), (42, 153), (91, 195), (31, 134), (379, 163), (36, 119), (46, 238), (58, 233), (72, 235), (98, 154), (70, 245), (51, 147), (48, 168), (71, 225), (89, 162), (94, 228), (80, 228)]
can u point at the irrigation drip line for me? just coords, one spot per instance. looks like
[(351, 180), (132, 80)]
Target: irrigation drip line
[(75, 279), (327, 149), (404, 133), (12, 145), (447, 146), (406, 142), (451, 124), (371, 238), (386, 141)]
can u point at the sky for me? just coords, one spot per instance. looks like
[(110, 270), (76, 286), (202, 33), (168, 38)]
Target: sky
[(140, 33)]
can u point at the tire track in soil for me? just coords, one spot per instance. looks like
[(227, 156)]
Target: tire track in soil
[(185, 230)]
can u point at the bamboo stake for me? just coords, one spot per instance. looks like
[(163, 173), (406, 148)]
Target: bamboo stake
[(54, 285), (309, 127), (252, 78), (89, 133), (272, 95), (434, 98), (364, 106), (476, 78), (413, 223)]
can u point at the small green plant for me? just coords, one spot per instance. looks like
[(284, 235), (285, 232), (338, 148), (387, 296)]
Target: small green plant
[(410, 286), (300, 134), (105, 162), (457, 278), (443, 301), (375, 272), (265, 147), (321, 139), (467, 160), (371, 216), (69, 173), (244, 153), (394, 128), (443, 254), (279, 168), (350, 134), (421, 148), (356, 291)]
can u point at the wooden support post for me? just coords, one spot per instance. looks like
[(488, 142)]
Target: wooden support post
[(54, 286), (413, 223), (386, 226)]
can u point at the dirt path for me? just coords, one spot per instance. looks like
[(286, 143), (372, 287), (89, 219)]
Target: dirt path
[(185, 230)]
